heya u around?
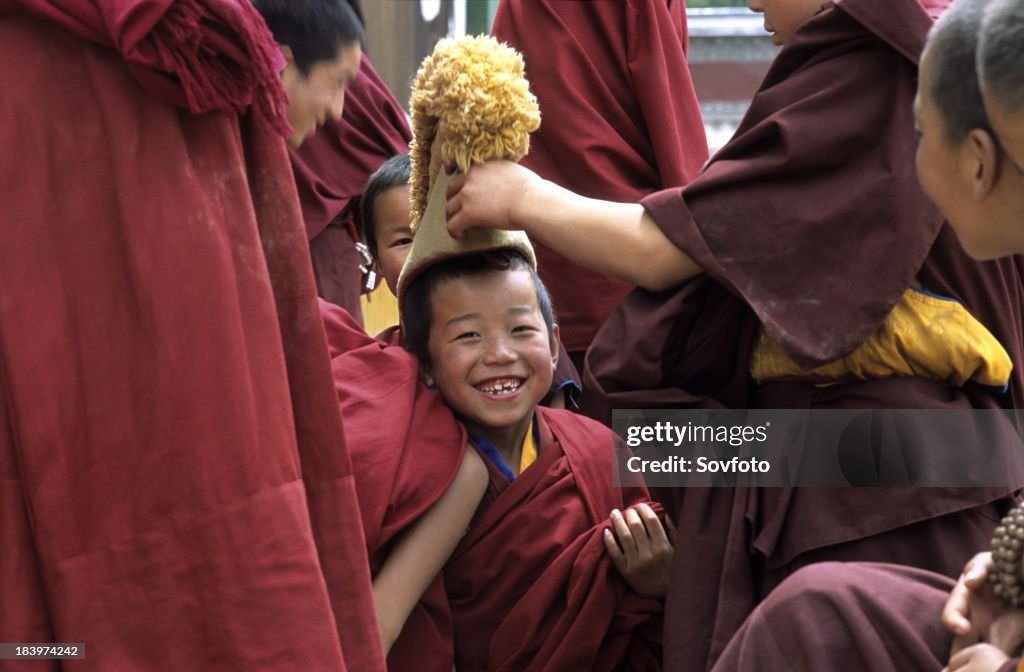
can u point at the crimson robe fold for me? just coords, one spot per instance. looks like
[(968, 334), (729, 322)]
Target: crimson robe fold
[(619, 115), (176, 489), (406, 448), (810, 223), (531, 586)]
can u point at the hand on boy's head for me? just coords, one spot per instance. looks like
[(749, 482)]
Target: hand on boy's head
[(487, 196), (641, 549), (977, 658)]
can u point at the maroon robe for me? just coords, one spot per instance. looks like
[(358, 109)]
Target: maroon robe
[(531, 587), (331, 169), (406, 448), (810, 222), (619, 120), (848, 617), (176, 491)]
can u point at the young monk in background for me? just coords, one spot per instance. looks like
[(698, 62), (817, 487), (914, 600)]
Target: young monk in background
[(331, 169), (778, 265), (857, 616)]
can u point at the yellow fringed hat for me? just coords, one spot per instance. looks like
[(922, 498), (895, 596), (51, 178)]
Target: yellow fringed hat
[(470, 103)]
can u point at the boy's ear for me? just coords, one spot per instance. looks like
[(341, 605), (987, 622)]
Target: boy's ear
[(428, 375), (286, 51), (982, 154), (556, 341)]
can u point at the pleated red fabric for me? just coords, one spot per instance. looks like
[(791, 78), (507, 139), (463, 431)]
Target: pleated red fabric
[(531, 587), (177, 492)]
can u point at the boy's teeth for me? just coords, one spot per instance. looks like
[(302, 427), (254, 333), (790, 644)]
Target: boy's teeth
[(500, 387)]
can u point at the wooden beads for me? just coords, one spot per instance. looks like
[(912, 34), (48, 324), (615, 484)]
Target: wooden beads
[(1005, 573)]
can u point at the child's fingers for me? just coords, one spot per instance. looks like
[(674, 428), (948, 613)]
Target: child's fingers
[(655, 530), (670, 528), (618, 559), (636, 526), (623, 532)]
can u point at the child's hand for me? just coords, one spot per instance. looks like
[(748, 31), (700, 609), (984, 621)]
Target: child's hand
[(641, 550), (977, 658)]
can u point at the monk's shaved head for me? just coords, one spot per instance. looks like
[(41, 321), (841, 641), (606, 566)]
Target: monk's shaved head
[(953, 81), (1001, 66), (1001, 53)]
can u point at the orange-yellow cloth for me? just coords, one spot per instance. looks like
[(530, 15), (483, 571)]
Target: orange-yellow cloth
[(924, 335), (529, 453)]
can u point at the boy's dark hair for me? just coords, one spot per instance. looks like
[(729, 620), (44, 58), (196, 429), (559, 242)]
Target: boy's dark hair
[(392, 173), (417, 309), (952, 46), (315, 30)]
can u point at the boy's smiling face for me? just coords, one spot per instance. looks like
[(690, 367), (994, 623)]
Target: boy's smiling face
[(492, 357), (783, 17)]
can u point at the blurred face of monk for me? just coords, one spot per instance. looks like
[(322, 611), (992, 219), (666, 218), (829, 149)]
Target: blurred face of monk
[(319, 94), (783, 17)]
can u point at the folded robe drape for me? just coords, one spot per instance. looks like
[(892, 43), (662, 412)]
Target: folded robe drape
[(177, 494), (406, 447), (531, 586)]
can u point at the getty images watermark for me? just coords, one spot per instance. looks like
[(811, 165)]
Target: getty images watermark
[(820, 448)]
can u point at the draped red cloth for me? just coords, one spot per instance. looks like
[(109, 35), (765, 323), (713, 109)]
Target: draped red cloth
[(331, 169), (811, 223), (176, 490), (406, 447), (531, 586), (840, 616), (620, 120)]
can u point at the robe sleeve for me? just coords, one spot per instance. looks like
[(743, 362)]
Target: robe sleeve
[(812, 214)]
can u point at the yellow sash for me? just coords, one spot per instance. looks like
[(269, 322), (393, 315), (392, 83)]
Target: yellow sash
[(923, 336)]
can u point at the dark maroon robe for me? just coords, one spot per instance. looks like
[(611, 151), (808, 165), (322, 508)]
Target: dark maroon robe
[(331, 169), (175, 484), (841, 617), (809, 221), (620, 120), (406, 447), (531, 587)]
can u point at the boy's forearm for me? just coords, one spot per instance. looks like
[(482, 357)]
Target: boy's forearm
[(418, 557), (617, 239)]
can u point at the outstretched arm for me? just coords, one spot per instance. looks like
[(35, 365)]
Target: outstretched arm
[(617, 239), (421, 553)]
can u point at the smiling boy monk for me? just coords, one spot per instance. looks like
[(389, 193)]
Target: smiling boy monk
[(532, 585)]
